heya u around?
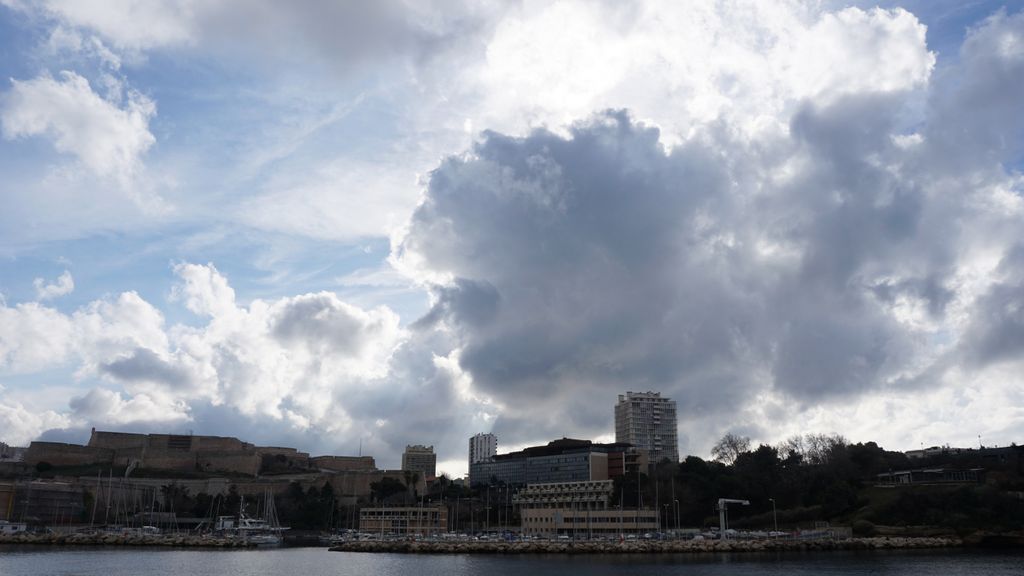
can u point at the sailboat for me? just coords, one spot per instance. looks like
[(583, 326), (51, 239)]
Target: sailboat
[(263, 530)]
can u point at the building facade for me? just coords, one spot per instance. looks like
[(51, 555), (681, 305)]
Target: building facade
[(648, 421), (420, 459), (482, 447), (579, 510), (565, 460), (404, 520)]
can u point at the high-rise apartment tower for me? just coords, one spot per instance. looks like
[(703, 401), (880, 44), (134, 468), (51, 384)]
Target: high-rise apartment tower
[(482, 447), (648, 421)]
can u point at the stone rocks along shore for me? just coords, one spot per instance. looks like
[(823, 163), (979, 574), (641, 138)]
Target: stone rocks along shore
[(107, 539), (643, 547)]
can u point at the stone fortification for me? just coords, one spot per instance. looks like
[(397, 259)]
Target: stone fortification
[(343, 463), (60, 454), (190, 454)]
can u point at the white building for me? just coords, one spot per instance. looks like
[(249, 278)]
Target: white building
[(648, 421), (482, 447)]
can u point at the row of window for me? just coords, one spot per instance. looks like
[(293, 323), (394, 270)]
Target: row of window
[(592, 520)]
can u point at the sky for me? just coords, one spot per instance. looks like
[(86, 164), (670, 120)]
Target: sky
[(344, 225)]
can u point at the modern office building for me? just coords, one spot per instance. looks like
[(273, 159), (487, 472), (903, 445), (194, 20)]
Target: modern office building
[(482, 447), (565, 460), (648, 421), (420, 459)]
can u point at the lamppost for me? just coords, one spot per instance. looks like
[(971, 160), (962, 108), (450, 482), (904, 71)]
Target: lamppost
[(667, 516), (622, 506), (677, 516), (621, 536), (775, 518)]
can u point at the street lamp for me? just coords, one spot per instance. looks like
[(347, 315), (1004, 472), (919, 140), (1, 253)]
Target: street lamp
[(775, 518), (677, 516), (667, 517)]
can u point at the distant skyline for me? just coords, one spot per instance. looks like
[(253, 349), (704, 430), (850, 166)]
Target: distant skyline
[(344, 225)]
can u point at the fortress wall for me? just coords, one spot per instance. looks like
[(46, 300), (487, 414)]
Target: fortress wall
[(60, 454), (292, 456), (219, 443), (116, 440), (344, 463), (357, 482), (169, 460), (247, 462)]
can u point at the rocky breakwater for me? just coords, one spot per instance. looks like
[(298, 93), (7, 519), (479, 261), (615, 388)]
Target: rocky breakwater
[(124, 539), (642, 547)]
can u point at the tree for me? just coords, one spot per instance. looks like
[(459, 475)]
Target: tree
[(412, 477), (176, 498), (387, 487), (813, 449), (729, 447)]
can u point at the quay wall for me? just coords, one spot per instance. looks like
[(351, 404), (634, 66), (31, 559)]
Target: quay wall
[(643, 547)]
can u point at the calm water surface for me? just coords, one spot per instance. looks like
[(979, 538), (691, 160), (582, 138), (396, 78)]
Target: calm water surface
[(22, 561)]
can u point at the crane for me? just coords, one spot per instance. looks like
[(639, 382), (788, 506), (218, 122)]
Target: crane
[(723, 504)]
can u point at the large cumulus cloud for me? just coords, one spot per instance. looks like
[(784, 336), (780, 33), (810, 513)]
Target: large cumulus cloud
[(754, 278)]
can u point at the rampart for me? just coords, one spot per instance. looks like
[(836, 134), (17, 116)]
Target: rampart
[(289, 457), (116, 440), (60, 454), (191, 454), (239, 462), (343, 463)]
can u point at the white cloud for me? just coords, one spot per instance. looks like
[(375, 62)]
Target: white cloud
[(683, 65), (129, 24), (108, 139), (65, 41), (21, 425), (64, 285), (204, 291), (311, 364), (33, 337), (343, 200), (102, 405)]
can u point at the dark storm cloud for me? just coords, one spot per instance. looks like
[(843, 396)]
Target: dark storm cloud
[(611, 264), (996, 332), (467, 302), (146, 366), (321, 322)]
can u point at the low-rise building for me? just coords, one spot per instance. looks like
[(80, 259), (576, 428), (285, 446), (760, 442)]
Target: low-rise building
[(404, 520), (578, 510), (923, 476)]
